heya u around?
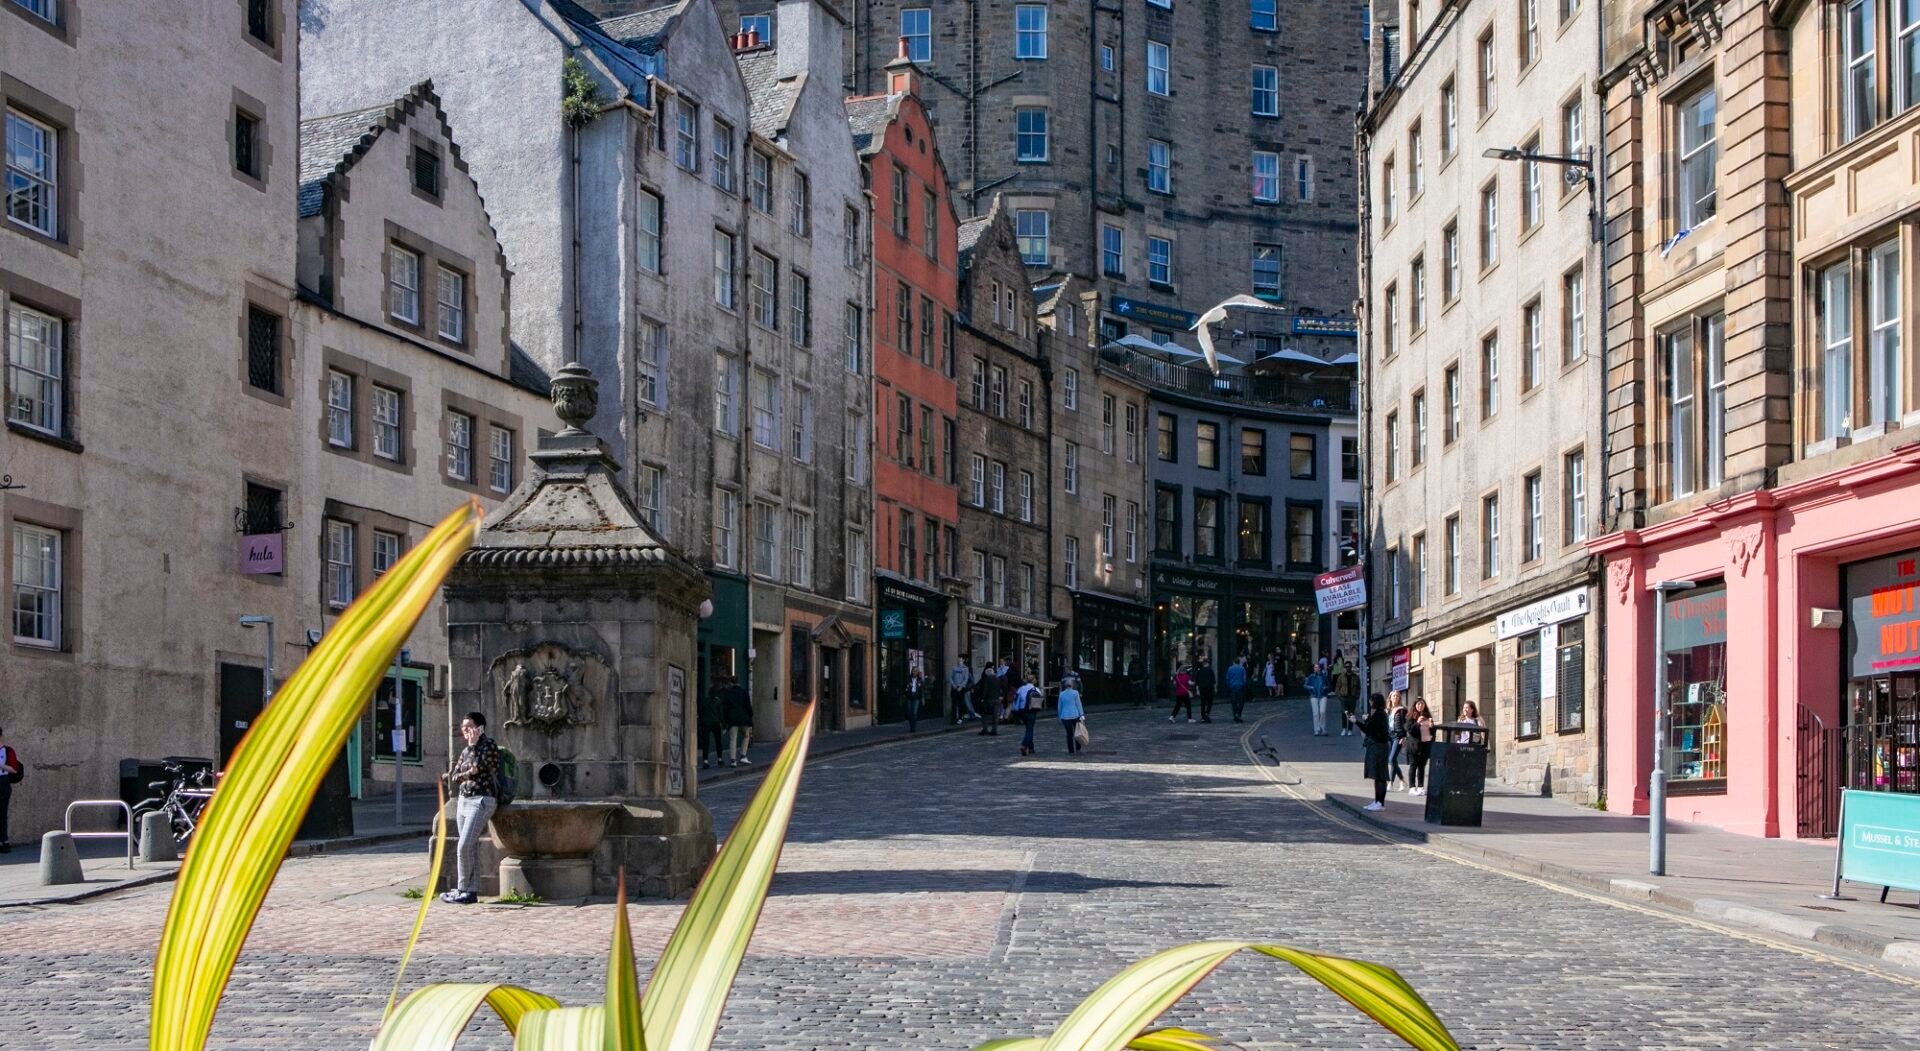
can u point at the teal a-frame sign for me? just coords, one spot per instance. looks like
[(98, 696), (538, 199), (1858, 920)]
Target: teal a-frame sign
[(1879, 840)]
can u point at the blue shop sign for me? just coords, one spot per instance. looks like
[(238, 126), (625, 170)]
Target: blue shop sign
[(1153, 313), (1347, 327), (1879, 840), (893, 623)]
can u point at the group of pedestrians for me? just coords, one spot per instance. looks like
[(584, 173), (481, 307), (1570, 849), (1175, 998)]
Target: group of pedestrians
[(1197, 680), (1393, 732), (726, 724), (1001, 692)]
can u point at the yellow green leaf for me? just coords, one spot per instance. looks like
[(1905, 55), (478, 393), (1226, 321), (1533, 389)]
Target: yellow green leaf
[(433, 1017), (1115, 1015), (1172, 1039), (623, 1027), (695, 973), (439, 854), (270, 782), (1017, 1043), (565, 1029)]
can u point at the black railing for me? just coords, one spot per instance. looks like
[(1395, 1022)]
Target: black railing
[(1883, 756), (1816, 776), (1336, 397)]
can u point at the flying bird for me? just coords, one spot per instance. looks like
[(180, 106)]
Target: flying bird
[(1219, 314)]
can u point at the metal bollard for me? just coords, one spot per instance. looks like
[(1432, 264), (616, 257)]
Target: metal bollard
[(59, 860), (156, 837)]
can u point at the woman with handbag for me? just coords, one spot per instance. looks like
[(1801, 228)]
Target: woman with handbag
[(1420, 736), (1072, 713)]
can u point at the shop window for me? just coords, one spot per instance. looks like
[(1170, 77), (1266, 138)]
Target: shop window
[(800, 661), (1570, 652), (1696, 656), (1527, 670)]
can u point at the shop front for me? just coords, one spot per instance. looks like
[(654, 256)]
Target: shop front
[(722, 635), (1792, 660), (1021, 641), (1109, 648), (1222, 618), (913, 629)]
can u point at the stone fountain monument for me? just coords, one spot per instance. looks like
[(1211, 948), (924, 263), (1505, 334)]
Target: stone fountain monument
[(571, 626)]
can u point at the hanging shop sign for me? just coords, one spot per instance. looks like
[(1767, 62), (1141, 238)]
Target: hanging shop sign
[(1536, 615), (1883, 615), (893, 623), (1340, 589), (1152, 313), (263, 553)]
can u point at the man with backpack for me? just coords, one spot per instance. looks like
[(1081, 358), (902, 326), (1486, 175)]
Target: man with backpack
[(736, 715), (1205, 682), (475, 783), (986, 695), (12, 769)]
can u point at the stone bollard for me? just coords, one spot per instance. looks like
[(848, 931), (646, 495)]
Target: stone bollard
[(156, 837), (59, 860)]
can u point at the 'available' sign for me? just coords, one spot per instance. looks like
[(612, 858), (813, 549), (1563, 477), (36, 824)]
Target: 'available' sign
[(1340, 589)]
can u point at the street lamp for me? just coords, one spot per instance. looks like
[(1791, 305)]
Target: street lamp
[(1579, 168), (250, 620), (1657, 781)]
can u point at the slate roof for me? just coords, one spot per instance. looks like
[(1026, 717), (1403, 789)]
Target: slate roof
[(331, 144), (526, 373), (627, 64), (772, 98), (970, 231), (869, 116), (643, 31)]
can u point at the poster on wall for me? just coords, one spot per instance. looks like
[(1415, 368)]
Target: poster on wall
[(1402, 661), (676, 730), (1549, 662), (1883, 615)]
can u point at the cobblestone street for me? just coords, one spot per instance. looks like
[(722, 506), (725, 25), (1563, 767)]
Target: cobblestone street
[(943, 891)]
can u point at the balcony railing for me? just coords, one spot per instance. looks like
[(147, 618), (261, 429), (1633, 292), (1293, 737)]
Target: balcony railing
[(1335, 397)]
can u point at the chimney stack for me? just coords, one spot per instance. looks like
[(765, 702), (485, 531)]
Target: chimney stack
[(903, 77)]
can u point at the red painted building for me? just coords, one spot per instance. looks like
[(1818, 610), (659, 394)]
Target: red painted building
[(916, 482)]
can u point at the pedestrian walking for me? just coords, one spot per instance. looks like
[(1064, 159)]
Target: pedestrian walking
[(986, 696), (12, 770), (1025, 707), (959, 680), (1206, 683), (475, 783), (1237, 688), (1072, 712), (1420, 733), (1273, 675), (1349, 693), (713, 732), (916, 688), (1396, 738), (1374, 729), (1317, 698), (1182, 695), (736, 716)]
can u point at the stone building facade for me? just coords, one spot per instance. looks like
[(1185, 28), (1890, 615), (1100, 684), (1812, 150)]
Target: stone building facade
[(1762, 406), (169, 376), (415, 396), (686, 221), (1483, 379), (916, 474), (1211, 142), (1101, 603), (1006, 504)]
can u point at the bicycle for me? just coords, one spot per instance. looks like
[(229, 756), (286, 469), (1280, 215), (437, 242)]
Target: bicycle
[(183, 796)]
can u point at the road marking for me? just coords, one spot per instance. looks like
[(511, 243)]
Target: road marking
[(1333, 816)]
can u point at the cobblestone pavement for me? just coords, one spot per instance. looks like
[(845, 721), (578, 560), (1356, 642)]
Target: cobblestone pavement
[(939, 893)]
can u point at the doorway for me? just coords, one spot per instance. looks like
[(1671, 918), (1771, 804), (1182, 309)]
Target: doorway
[(240, 703)]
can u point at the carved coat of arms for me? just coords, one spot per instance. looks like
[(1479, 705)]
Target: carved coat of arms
[(549, 687)]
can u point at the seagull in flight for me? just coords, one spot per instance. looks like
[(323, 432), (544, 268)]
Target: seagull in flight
[(1219, 314)]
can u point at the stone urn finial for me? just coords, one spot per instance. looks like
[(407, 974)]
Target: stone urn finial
[(576, 396)]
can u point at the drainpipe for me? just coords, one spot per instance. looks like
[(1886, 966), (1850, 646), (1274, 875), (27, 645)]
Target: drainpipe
[(1598, 187), (573, 277), (1363, 164)]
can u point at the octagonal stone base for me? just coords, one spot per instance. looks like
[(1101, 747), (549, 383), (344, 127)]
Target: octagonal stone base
[(664, 845)]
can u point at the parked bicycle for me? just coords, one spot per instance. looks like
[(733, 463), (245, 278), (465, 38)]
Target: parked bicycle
[(182, 797)]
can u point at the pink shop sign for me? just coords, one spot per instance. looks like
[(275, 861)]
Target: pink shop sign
[(264, 553)]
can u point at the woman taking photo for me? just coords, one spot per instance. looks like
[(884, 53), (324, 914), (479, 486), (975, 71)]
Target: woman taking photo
[(1469, 713), (1374, 729), (1420, 737)]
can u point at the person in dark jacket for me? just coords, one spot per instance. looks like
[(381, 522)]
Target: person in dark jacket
[(1205, 682), (736, 715), (986, 701), (713, 733), (1374, 729)]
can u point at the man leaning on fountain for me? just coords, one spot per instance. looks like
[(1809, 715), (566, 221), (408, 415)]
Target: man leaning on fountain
[(475, 782)]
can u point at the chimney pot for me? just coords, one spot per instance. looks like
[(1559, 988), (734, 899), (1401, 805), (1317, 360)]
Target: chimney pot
[(903, 48), (753, 38)]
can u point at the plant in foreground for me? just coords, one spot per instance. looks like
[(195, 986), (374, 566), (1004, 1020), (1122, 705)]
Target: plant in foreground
[(275, 771), (413, 893), (519, 897)]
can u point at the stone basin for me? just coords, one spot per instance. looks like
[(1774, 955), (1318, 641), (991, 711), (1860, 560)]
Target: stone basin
[(552, 828)]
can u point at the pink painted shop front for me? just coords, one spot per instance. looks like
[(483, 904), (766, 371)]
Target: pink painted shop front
[(1781, 634)]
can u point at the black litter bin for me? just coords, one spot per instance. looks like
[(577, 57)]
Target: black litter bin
[(1457, 775)]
